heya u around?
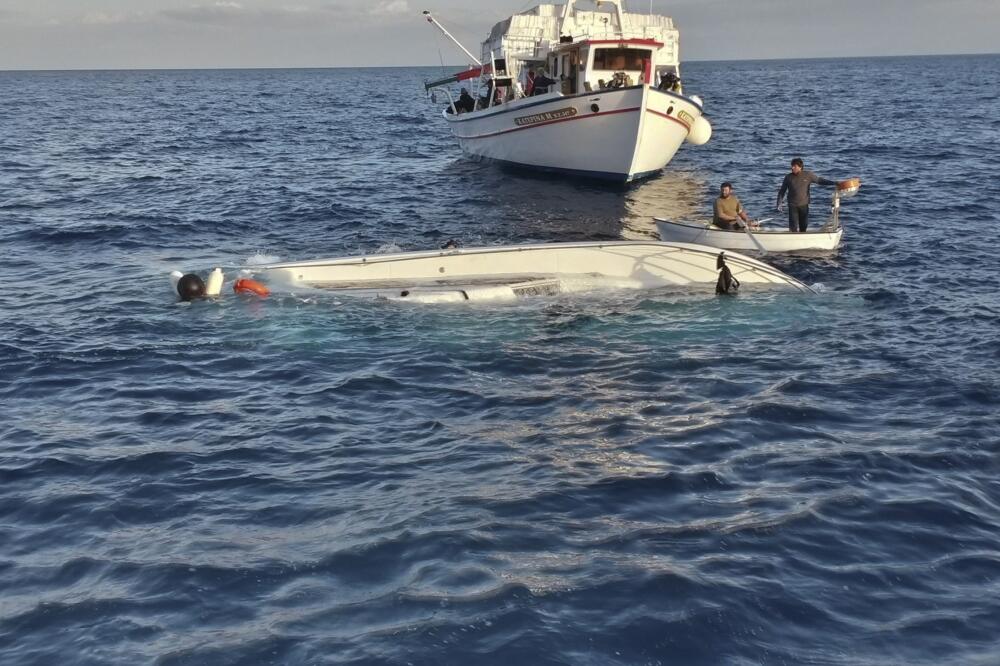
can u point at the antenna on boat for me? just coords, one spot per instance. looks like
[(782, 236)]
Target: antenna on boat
[(433, 21)]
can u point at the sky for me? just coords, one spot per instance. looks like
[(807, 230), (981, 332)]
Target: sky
[(139, 34)]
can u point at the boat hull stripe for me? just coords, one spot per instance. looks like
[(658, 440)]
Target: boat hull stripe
[(676, 120), (502, 109), (547, 122)]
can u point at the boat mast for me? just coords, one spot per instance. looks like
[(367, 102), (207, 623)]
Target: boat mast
[(433, 21), (619, 13)]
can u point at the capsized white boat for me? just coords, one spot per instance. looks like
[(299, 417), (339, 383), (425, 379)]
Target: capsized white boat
[(613, 108), (825, 238), (509, 272)]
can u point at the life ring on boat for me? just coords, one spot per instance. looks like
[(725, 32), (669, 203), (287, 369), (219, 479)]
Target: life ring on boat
[(248, 286)]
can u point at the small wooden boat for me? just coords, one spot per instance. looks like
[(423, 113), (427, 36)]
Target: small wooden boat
[(826, 238), (772, 240)]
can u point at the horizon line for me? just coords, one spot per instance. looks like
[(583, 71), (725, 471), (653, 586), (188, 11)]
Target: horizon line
[(409, 66)]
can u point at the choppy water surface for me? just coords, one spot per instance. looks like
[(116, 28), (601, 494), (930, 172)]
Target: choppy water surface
[(636, 478)]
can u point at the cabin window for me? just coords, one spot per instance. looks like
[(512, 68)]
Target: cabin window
[(618, 60)]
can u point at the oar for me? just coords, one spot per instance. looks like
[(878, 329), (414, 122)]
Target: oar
[(753, 239)]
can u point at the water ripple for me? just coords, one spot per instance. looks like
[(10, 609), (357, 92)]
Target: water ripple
[(648, 478)]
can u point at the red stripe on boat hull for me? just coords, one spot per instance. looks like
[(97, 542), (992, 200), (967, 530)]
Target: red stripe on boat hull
[(547, 122)]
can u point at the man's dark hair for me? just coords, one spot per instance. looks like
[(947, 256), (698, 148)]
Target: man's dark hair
[(725, 185), (797, 162)]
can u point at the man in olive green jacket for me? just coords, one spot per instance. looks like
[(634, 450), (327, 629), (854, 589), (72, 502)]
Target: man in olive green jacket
[(728, 210)]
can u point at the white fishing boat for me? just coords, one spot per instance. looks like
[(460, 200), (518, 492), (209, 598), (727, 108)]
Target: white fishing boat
[(615, 108), (509, 272), (824, 239)]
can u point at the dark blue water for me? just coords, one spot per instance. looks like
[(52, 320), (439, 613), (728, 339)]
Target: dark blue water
[(636, 478)]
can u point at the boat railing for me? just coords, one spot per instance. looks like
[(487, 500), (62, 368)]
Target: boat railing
[(844, 189)]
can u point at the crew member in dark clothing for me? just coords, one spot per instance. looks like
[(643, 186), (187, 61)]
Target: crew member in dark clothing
[(490, 90), (542, 83), (796, 184), (466, 102)]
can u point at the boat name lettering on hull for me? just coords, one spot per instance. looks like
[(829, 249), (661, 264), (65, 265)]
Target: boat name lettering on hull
[(546, 116)]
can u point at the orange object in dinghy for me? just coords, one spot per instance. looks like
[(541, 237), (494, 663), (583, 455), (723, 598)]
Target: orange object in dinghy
[(248, 286), (849, 187)]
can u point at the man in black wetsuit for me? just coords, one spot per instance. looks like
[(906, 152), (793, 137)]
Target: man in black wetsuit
[(797, 185), (466, 102)]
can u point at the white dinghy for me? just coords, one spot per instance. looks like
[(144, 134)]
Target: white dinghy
[(509, 272), (826, 238)]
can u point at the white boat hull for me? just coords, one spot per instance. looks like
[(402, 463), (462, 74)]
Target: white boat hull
[(633, 132), (777, 240), (497, 273)]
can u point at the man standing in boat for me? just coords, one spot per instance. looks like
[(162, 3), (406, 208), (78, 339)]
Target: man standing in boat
[(728, 210), (796, 184)]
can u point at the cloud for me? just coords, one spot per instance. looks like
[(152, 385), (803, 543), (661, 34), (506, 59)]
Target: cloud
[(326, 16), (392, 8), (225, 13), (114, 18)]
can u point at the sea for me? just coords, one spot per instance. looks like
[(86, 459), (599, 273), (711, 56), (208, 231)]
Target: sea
[(616, 478)]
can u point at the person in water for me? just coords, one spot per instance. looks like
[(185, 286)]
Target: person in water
[(796, 184), (728, 211)]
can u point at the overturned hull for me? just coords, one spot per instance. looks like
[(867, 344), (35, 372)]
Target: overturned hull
[(508, 272)]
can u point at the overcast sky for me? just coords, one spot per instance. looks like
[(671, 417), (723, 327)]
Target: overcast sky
[(85, 34)]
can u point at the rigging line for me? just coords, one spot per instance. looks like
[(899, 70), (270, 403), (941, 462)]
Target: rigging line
[(465, 29), (437, 43)]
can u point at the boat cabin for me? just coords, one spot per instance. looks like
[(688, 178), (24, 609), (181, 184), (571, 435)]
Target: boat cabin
[(586, 50), (591, 65), (578, 50)]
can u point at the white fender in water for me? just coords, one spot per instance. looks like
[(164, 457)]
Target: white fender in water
[(700, 132), (175, 277), (213, 287)]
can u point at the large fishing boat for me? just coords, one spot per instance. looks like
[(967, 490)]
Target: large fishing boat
[(594, 93)]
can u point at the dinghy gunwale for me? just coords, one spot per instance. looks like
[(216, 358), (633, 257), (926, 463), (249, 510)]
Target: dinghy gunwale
[(707, 226), (773, 241)]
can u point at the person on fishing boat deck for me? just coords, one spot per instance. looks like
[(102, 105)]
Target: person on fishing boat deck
[(489, 90), (541, 83), (466, 102), (728, 210), (796, 184), (529, 83)]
